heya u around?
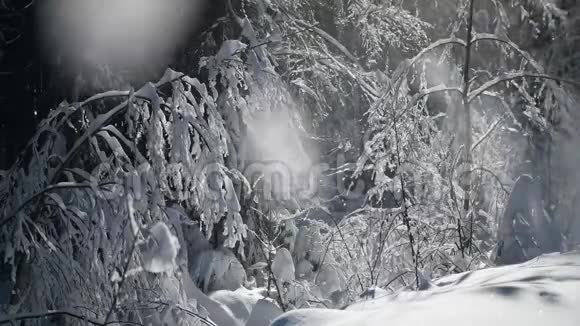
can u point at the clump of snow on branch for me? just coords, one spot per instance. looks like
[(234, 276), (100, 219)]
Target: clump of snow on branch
[(283, 265), (160, 249)]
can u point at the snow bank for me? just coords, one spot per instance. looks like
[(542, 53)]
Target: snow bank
[(218, 269), (250, 307), (218, 313), (233, 308), (239, 302), (542, 291)]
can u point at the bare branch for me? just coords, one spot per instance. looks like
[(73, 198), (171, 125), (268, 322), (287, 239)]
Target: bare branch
[(386, 285), (426, 92), (511, 76), (487, 133), (501, 184), (127, 264), (480, 37), (345, 70), (346, 246), (409, 63), (38, 315), (328, 38), (204, 320)]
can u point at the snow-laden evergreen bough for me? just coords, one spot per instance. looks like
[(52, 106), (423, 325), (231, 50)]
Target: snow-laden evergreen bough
[(91, 214), (90, 199)]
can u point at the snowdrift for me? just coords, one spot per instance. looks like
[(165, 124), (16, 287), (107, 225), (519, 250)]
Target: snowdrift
[(542, 291)]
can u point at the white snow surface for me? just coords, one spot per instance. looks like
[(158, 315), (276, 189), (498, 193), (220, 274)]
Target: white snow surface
[(263, 313), (218, 269), (234, 308), (250, 307), (542, 291)]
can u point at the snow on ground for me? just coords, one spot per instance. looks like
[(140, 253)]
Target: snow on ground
[(542, 291), (250, 307), (234, 308)]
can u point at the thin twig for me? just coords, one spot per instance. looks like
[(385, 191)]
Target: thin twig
[(58, 186), (386, 285), (487, 133), (467, 119), (125, 268), (511, 76), (46, 314), (347, 248), (414, 255)]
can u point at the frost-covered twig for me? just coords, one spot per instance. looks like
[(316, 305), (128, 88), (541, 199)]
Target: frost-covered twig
[(499, 181), (347, 248), (323, 258), (487, 133), (345, 70), (203, 319), (10, 319), (382, 246), (467, 117), (518, 75), (426, 92), (127, 263), (271, 276), (406, 65), (405, 213), (328, 38), (454, 199), (388, 283)]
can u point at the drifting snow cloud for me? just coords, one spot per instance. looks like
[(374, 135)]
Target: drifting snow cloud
[(124, 33), (273, 152)]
